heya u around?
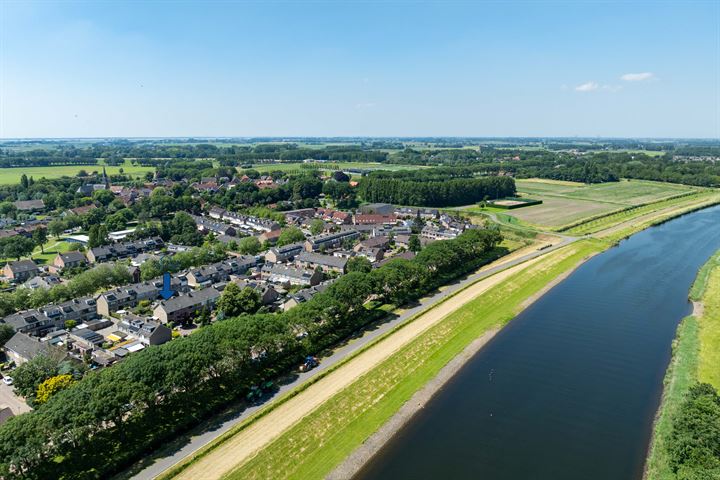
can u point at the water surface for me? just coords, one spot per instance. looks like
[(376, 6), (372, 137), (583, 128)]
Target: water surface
[(569, 389)]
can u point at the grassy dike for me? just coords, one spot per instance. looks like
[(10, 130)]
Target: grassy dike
[(323, 439), (694, 352)]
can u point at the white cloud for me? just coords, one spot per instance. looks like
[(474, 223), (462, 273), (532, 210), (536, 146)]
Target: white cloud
[(364, 106), (587, 87), (637, 77)]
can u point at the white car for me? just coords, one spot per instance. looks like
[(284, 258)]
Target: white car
[(7, 380)]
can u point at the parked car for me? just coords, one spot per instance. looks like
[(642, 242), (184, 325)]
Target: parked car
[(310, 363), (7, 380)]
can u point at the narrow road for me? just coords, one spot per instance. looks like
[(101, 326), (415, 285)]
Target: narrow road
[(203, 435)]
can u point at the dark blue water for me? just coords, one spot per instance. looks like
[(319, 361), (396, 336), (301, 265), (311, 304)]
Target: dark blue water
[(569, 389)]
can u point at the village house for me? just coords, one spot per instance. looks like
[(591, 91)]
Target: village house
[(184, 307), (72, 259), (32, 206), (48, 281), (207, 225), (123, 250), (148, 331), (381, 242), (329, 240), (270, 237), (79, 210), (283, 254), (21, 270), (290, 275), (32, 322), (374, 219), (22, 348), (327, 263)]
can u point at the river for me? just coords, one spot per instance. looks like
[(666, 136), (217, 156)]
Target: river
[(568, 389)]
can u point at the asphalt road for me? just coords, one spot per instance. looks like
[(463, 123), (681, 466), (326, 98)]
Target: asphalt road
[(206, 433), (9, 399)]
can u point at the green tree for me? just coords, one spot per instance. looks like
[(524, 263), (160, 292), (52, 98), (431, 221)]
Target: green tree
[(24, 181), (98, 235), (414, 244), (18, 246), (358, 264), (290, 235), (39, 236), (6, 333), (249, 246), (317, 226), (235, 301), (57, 227), (70, 324), (104, 197)]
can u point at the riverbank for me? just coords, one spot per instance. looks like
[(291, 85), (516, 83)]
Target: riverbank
[(696, 343), (314, 440), (362, 454), (321, 440)]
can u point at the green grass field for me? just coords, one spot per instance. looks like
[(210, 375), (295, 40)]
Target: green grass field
[(568, 203), (52, 247), (10, 176), (314, 446), (708, 369)]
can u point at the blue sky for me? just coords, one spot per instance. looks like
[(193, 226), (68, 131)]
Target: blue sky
[(223, 68)]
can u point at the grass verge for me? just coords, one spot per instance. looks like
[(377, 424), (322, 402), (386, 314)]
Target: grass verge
[(678, 379), (321, 440), (696, 357)]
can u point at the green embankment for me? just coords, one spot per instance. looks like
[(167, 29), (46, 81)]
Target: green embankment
[(696, 358), (318, 443)]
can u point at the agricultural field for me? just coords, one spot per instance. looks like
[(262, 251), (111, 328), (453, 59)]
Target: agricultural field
[(568, 203), (330, 166), (9, 176)]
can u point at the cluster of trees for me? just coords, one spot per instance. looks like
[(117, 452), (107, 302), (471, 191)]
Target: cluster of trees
[(406, 190), (84, 283), (694, 445), (109, 418)]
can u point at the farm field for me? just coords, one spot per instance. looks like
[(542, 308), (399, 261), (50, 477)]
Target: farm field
[(9, 176), (625, 192), (568, 203), (331, 166)]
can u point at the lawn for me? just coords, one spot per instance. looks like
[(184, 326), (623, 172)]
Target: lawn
[(52, 248), (708, 369), (321, 440), (9, 176)]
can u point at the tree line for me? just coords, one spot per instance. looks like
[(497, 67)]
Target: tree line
[(434, 193), (103, 422)]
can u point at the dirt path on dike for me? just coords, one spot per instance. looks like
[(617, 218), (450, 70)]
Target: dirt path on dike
[(243, 445)]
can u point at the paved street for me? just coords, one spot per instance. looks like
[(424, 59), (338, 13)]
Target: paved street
[(9, 399)]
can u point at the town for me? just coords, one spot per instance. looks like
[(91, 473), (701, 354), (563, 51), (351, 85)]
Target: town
[(264, 265)]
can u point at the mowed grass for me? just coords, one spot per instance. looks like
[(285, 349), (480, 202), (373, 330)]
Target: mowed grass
[(51, 248), (708, 370), (319, 442), (10, 176)]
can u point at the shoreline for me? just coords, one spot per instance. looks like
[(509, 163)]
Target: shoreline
[(364, 454)]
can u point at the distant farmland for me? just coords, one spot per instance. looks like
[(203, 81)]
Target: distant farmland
[(9, 176)]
